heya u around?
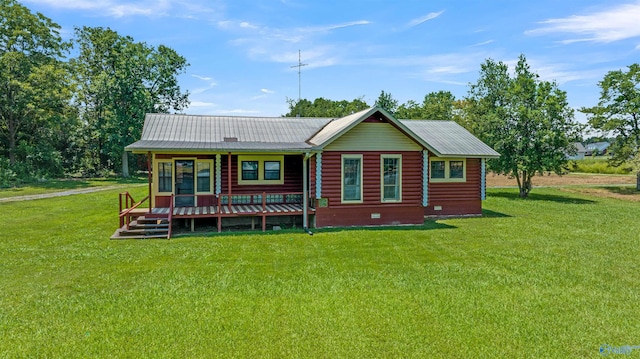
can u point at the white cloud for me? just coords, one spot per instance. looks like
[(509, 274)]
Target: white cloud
[(617, 23), (482, 43), (203, 78), (123, 8), (267, 91), (425, 18)]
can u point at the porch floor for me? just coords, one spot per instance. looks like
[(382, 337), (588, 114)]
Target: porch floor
[(235, 210)]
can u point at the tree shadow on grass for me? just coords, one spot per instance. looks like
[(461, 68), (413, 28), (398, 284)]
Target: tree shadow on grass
[(541, 197), (623, 190), (487, 213)]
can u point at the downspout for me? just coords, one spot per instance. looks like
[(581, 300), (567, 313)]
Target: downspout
[(149, 179), (305, 190)]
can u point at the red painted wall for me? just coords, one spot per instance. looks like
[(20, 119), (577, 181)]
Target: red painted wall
[(292, 177), (409, 211), (457, 198)]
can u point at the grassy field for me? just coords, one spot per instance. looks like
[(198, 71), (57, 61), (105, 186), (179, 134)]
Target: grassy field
[(51, 186), (556, 275)]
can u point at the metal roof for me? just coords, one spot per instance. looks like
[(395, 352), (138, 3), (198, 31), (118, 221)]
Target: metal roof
[(449, 139), (193, 133)]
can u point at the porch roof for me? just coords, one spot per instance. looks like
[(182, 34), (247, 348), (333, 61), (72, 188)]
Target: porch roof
[(450, 139)]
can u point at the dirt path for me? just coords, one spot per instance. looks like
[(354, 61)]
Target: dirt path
[(65, 193), (572, 179)]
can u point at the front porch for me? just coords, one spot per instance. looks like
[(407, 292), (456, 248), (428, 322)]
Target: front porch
[(137, 221)]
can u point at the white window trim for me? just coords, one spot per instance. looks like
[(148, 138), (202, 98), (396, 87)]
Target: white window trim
[(351, 156), (261, 160), (447, 169), (399, 184)]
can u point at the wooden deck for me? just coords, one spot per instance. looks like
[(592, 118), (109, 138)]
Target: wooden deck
[(235, 210), (256, 205)]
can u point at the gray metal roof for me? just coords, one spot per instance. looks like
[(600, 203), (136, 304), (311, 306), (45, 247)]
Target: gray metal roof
[(448, 139), (192, 133)]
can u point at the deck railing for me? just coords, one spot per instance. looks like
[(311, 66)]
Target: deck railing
[(129, 205)]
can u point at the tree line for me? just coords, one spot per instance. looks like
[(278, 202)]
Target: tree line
[(61, 115)]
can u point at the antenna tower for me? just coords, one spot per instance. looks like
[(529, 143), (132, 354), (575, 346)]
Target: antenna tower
[(299, 66)]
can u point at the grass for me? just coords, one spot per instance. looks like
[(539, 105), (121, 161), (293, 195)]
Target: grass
[(555, 275), (60, 185)]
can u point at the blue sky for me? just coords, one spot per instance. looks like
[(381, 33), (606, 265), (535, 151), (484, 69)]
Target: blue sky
[(241, 52)]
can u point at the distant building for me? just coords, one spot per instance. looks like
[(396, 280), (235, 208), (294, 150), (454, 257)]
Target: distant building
[(597, 148), (580, 152)]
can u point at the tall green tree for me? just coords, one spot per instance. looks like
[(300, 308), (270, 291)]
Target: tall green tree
[(438, 105), (387, 102), (34, 90), (322, 107), (618, 113), (528, 121), (119, 81)]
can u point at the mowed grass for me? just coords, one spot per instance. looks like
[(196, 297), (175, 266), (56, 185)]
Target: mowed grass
[(61, 185), (556, 275)]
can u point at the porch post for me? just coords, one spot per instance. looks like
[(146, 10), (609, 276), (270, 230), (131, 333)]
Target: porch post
[(149, 178), (425, 178), (305, 189), (229, 180), (483, 180)]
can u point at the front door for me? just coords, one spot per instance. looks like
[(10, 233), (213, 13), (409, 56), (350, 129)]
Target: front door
[(184, 183)]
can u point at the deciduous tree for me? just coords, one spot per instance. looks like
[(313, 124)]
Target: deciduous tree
[(322, 107), (618, 113), (527, 120), (34, 90), (119, 81)]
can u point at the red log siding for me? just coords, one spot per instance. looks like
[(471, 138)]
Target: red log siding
[(456, 198), (292, 177), (339, 214)]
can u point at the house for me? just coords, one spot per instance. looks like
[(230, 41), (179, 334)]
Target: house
[(580, 152), (364, 169), (597, 148)]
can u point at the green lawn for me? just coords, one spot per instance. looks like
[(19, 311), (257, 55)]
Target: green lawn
[(556, 275)]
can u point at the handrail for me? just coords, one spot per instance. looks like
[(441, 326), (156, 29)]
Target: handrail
[(124, 215), (170, 216)]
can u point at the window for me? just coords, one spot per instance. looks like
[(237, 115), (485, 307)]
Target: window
[(391, 178), (456, 169), (260, 169), (165, 172), (204, 177), (271, 170), (249, 170), (449, 170), (352, 178), (437, 169)]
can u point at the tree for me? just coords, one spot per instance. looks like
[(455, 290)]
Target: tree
[(435, 106), (119, 81), (34, 91), (387, 102), (528, 121), (322, 107), (618, 113)]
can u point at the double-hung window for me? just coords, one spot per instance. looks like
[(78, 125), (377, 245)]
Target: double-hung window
[(391, 166), (165, 176), (352, 178), (250, 170)]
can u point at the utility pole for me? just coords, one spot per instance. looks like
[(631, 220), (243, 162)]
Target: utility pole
[(299, 66)]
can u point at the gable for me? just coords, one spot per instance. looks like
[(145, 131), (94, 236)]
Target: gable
[(373, 136)]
